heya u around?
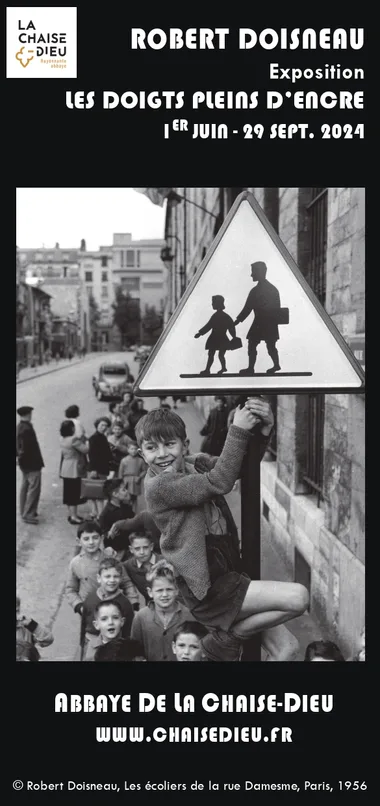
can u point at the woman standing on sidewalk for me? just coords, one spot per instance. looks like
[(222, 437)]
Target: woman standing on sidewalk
[(100, 457), (73, 468)]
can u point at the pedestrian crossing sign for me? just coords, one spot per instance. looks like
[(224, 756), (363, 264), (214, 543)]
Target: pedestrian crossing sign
[(249, 322)]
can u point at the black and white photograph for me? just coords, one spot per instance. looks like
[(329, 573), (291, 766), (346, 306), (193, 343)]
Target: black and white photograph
[(190, 424), (191, 398)]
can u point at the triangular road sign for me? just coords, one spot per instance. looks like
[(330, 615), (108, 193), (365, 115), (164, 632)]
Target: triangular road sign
[(249, 288)]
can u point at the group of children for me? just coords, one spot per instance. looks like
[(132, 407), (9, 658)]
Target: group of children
[(195, 602), (131, 602)]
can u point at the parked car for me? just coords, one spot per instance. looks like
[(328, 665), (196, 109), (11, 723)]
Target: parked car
[(111, 380)]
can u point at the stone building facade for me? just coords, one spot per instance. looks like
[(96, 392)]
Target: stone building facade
[(313, 491)]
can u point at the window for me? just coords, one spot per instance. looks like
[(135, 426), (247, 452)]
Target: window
[(138, 258), (104, 260), (130, 257), (121, 257), (316, 270), (316, 277), (104, 276), (104, 291), (272, 447), (89, 290), (65, 271), (50, 271), (88, 276)]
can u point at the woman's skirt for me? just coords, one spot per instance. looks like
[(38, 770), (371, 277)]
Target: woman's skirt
[(71, 492)]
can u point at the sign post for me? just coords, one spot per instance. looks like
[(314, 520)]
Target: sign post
[(251, 531), (249, 324)]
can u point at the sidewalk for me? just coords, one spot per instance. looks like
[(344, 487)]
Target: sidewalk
[(27, 373)]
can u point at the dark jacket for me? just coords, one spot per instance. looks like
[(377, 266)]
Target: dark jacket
[(100, 455), (215, 432), (138, 574), (27, 448)]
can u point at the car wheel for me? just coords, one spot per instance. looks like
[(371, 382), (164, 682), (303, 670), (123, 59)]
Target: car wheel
[(99, 395)]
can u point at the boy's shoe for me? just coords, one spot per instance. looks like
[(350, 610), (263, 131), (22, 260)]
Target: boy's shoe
[(221, 646), (31, 520)]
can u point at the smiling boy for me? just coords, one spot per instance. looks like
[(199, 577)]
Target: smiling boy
[(109, 579), (154, 626), (185, 496)]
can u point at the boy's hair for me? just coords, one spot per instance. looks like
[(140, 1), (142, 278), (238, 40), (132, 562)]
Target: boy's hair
[(323, 649), (72, 411), (132, 445), (124, 649), (88, 526), (136, 535), (110, 486), (160, 424), (107, 602), (161, 570), (110, 562), (67, 428), (190, 628)]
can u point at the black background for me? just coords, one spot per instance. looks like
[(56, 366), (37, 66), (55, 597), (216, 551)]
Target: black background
[(49, 145)]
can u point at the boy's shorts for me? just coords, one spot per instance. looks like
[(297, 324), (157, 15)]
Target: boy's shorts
[(224, 599), (223, 602)]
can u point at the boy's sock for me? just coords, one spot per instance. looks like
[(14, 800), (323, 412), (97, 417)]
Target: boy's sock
[(221, 646)]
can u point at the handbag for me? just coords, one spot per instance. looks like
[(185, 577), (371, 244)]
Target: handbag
[(93, 489), (282, 316), (235, 343)]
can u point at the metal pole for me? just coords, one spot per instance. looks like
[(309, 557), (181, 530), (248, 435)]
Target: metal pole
[(250, 530), (183, 274)]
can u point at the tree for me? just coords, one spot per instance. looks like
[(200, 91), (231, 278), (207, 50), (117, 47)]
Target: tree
[(93, 311), (152, 324), (126, 315)]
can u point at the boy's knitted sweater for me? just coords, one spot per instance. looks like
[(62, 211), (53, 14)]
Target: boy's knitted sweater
[(176, 502)]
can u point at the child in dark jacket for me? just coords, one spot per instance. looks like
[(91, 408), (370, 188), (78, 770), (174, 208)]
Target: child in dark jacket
[(198, 534), (140, 563), (109, 578)]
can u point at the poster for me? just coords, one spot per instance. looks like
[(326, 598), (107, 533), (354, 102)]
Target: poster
[(252, 105)]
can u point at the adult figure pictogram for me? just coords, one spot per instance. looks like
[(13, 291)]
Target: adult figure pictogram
[(264, 301)]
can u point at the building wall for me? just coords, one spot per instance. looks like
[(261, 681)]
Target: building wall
[(330, 537), (97, 280), (325, 534), (137, 265)]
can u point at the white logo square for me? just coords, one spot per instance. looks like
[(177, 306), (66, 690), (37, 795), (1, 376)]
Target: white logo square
[(41, 42)]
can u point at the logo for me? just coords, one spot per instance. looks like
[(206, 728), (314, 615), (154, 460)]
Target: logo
[(41, 42), (24, 60)]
